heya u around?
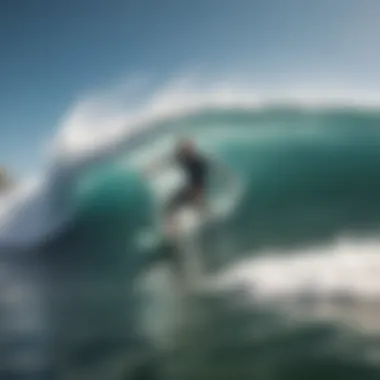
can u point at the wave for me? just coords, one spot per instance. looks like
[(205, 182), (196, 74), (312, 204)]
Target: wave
[(98, 132), (310, 171)]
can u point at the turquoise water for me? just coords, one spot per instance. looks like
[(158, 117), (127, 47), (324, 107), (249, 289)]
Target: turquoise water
[(310, 177)]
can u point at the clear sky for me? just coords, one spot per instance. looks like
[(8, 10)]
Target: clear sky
[(54, 51)]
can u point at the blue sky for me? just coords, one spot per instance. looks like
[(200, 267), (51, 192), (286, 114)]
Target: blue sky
[(53, 52)]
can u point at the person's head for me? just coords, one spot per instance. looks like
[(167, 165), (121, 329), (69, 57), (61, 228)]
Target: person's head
[(186, 146)]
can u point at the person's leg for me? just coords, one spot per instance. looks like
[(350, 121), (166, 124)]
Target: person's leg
[(198, 199), (175, 203)]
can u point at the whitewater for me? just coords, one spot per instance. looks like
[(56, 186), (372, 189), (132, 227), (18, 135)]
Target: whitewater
[(306, 229)]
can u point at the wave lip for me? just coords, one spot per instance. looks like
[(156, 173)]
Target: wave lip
[(99, 123)]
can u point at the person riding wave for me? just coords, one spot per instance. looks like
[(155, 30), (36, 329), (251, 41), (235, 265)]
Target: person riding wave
[(197, 168)]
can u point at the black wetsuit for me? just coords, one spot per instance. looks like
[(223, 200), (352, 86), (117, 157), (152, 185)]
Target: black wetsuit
[(196, 169)]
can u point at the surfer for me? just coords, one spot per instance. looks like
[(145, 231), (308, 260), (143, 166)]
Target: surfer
[(196, 168)]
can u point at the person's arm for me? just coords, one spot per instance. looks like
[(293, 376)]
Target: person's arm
[(157, 165)]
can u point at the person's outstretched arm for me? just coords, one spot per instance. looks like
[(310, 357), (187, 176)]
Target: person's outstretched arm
[(157, 166)]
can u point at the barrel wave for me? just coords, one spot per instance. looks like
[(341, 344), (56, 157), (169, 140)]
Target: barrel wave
[(310, 176)]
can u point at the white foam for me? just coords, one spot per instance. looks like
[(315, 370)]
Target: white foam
[(348, 268), (98, 122), (26, 214)]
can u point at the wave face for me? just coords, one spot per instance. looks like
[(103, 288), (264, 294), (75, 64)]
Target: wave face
[(310, 176)]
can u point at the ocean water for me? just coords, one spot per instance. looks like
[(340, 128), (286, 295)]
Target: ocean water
[(292, 273)]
